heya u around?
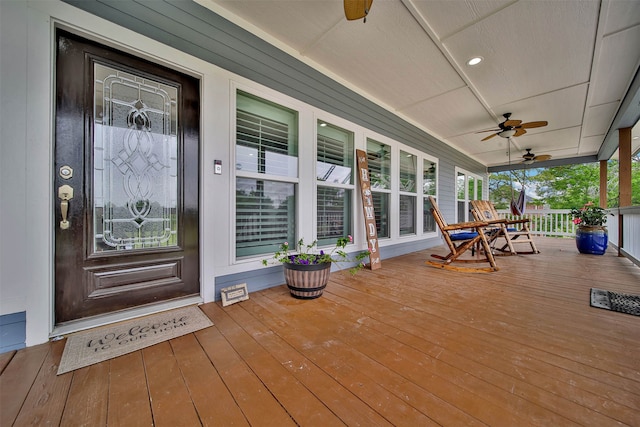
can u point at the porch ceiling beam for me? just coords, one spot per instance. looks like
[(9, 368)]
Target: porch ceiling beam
[(626, 117), (547, 164)]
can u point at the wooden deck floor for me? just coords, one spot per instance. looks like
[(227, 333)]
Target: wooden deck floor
[(407, 345)]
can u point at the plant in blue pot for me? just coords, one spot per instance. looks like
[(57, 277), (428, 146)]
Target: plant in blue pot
[(591, 234)]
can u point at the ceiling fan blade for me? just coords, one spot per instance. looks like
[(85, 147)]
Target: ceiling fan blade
[(512, 123), (542, 157), (356, 9), (489, 130), (520, 131), (489, 137), (530, 125)]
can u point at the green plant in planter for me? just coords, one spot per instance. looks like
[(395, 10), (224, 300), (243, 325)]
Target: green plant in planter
[(589, 215), (305, 254), (591, 235)]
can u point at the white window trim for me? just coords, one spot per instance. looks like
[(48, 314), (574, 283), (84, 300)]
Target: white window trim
[(420, 196), (393, 203), (423, 196), (417, 209), (284, 101), (306, 181), (356, 203), (467, 174)]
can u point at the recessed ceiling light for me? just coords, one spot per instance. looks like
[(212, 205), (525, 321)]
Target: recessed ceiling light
[(474, 61), (322, 124)]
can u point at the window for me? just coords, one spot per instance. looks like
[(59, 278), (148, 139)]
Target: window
[(379, 160), (408, 193), (461, 197), (265, 213), (429, 187), (381, 208), (468, 187), (334, 177), (266, 175)]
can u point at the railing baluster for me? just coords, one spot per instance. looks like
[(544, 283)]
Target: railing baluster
[(559, 222), (547, 222)]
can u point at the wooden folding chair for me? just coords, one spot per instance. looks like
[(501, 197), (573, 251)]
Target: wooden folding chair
[(512, 230), (460, 238)]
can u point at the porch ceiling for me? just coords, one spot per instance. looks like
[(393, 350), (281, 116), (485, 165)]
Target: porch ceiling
[(569, 62)]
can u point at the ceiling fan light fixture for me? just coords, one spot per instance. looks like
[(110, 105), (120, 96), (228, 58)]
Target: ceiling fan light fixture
[(507, 133), (509, 128), (528, 161)]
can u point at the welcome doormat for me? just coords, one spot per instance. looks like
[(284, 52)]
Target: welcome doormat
[(623, 303), (97, 345)]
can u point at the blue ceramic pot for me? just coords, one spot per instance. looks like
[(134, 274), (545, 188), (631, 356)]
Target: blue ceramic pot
[(592, 240)]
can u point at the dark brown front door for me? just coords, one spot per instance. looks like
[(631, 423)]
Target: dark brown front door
[(126, 184)]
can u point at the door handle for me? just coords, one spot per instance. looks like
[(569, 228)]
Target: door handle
[(65, 193)]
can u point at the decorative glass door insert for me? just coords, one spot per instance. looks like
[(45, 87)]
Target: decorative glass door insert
[(127, 162), (135, 162)]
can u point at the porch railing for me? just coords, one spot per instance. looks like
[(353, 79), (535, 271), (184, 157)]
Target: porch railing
[(627, 240), (547, 222), (623, 226)]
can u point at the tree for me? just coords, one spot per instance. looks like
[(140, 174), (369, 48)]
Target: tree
[(564, 187), (505, 186), (613, 188), (500, 189)]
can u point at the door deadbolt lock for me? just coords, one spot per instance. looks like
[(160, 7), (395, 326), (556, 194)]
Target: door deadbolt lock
[(65, 193), (66, 172)]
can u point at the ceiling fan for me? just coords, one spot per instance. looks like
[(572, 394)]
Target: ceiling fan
[(530, 158), (510, 128), (356, 9)]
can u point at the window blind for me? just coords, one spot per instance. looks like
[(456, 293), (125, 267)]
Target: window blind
[(334, 214), (381, 208), (267, 142), (334, 160), (265, 213), (265, 209), (407, 215)]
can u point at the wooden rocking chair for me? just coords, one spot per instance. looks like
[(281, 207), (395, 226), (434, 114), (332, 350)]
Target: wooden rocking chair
[(459, 241), (513, 230)]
